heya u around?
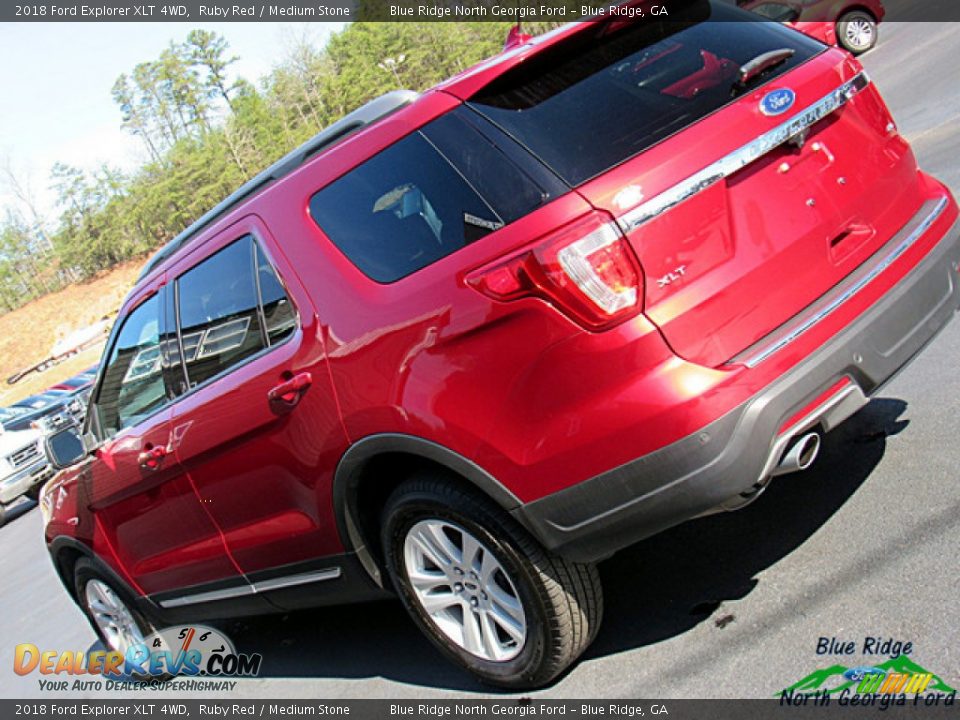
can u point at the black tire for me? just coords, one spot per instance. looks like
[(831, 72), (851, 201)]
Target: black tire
[(3, 514), (86, 570), (857, 31), (34, 492), (562, 601)]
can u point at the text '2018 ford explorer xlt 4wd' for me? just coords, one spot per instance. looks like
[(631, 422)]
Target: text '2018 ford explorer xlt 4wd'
[(465, 344)]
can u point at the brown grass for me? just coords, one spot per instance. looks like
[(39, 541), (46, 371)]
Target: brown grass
[(28, 333)]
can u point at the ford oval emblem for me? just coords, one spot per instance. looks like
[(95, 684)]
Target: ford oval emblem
[(777, 102), (861, 671)]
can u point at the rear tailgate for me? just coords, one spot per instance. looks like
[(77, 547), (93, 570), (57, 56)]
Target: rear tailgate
[(749, 247), (737, 231)]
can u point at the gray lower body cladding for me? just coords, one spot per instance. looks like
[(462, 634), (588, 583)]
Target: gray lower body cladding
[(595, 518)]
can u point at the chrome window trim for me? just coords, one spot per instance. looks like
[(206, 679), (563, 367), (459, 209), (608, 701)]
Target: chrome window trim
[(752, 356), (743, 156)]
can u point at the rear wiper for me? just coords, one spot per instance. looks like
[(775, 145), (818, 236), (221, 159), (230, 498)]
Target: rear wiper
[(761, 63)]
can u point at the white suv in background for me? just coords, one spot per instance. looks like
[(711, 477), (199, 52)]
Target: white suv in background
[(23, 466)]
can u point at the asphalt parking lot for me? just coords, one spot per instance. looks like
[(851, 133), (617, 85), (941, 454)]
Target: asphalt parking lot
[(863, 545)]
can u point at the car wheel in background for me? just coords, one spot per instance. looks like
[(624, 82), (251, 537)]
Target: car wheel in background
[(857, 31), (482, 589), (3, 514)]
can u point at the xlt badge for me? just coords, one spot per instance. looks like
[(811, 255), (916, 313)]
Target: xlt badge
[(672, 276)]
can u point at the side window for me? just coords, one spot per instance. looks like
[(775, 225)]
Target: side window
[(422, 198), (279, 317), (219, 315), (780, 12), (133, 384)]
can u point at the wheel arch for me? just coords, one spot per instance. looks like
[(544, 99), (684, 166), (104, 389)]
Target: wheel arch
[(66, 552), (360, 489), (857, 7)]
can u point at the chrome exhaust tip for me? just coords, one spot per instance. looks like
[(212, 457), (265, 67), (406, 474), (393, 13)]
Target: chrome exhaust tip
[(799, 455)]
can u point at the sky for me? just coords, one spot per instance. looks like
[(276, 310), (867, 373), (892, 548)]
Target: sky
[(55, 81)]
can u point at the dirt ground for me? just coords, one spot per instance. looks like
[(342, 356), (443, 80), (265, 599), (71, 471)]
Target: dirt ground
[(28, 333)]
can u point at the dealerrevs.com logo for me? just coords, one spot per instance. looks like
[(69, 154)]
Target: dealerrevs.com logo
[(187, 650), (898, 680)]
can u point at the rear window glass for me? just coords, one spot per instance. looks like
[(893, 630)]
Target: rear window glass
[(426, 196), (611, 91)]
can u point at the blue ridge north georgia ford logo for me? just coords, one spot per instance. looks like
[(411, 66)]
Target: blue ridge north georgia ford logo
[(777, 102)]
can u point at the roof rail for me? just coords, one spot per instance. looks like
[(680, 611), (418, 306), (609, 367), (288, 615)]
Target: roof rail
[(361, 117)]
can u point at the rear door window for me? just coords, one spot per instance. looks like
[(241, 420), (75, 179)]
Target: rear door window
[(228, 308), (611, 91), (219, 316)]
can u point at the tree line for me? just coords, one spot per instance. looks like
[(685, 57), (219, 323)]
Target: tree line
[(204, 135)]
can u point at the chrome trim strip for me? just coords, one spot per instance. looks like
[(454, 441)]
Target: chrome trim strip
[(743, 156), (239, 591), (278, 583), (331, 573), (863, 277)]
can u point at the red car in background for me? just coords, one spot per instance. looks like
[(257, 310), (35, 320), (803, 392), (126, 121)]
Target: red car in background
[(852, 24)]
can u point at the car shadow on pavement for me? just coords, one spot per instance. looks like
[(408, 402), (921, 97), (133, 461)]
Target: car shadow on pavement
[(669, 583), (655, 590)]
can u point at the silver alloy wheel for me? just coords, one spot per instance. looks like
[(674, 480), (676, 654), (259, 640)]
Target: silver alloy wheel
[(112, 616), (859, 33), (464, 590)]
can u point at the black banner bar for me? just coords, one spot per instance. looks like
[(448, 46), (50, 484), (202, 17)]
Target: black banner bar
[(196, 11), (150, 707)]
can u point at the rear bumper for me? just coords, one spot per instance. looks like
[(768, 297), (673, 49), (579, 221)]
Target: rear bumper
[(706, 469)]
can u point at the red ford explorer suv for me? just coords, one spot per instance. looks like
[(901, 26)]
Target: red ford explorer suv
[(464, 345)]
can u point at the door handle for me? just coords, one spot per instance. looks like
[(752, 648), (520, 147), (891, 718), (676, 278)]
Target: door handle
[(284, 397), (152, 457)]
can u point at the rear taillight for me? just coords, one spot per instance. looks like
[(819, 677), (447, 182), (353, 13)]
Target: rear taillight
[(586, 269)]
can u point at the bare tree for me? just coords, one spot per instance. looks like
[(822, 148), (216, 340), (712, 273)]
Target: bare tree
[(20, 188)]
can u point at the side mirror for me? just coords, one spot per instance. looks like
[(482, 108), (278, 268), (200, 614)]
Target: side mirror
[(65, 447)]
